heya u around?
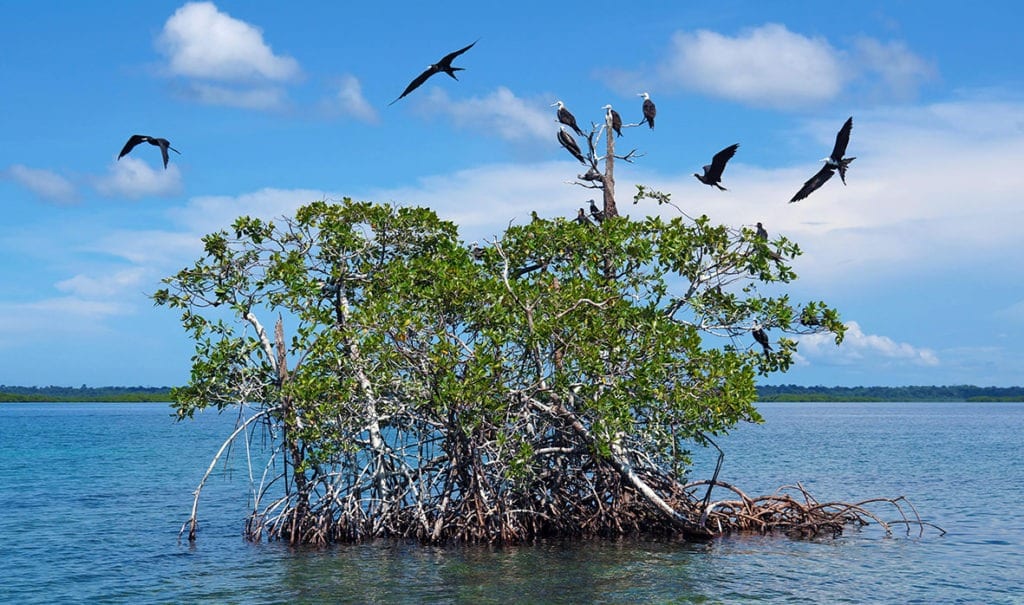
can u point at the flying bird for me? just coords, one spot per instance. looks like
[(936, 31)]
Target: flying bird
[(444, 65), (834, 162), (570, 144), (565, 117), (596, 212), (713, 171), (135, 139), (762, 339), (649, 109), (616, 120)]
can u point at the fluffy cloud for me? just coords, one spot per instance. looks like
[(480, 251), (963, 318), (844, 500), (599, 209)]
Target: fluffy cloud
[(767, 65), (134, 179), (226, 60), (859, 347), (501, 113), (46, 184), (771, 66), (107, 285), (202, 42), (349, 100)]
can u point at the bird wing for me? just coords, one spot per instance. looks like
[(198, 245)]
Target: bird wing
[(446, 61), (163, 144), (813, 183), (842, 140), (133, 140), (720, 158), (420, 79)]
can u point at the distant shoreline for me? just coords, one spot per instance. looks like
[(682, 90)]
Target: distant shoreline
[(782, 393)]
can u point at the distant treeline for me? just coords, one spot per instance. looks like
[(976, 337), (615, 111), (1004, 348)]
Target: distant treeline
[(10, 394), (790, 392), (787, 392)]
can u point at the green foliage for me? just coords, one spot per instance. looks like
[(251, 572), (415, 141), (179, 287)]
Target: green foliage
[(632, 335)]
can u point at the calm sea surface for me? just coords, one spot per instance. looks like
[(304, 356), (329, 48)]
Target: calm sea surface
[(92, 497)]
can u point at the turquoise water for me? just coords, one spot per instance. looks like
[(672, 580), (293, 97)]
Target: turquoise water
[(92, 497)]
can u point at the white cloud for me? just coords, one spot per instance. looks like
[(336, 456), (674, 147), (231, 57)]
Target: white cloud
[(861, 348), (349, 100), (104, 286), (500, 113), (133, 178), (771, 66), (258, 97), (901, 71), (767, 65), (46, 184), (202, 42)]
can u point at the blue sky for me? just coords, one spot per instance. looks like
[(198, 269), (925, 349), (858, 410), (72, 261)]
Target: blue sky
[(274, 105)]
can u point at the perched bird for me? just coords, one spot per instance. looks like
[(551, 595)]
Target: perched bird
[(762, 233), (596, 212), (444, 65), (713, 171), (832, 163), (565, 117), (135, 139), (591, 175), (616, 119), (476, 251), (570, 144), (582, 219), (762, 339), (649, 109)]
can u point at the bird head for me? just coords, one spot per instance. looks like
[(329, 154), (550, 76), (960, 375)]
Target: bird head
[(558, 104), (644, 95)]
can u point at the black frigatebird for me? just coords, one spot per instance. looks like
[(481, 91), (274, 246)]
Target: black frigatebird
[(570, 144), (582, 219), (616, 120), (762, 233), (832, 163), (649, 109), (596, 212), (444, 65), (713, 171), (135, 139), (762, 339), (565, 117)]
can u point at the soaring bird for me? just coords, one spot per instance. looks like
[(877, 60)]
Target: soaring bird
[(616, 120), (762, 339), (135, 139), (649, 109), (713, 171), (569, 143), (596, 212), (444, 65), (834, 162), (565, 117), (582, 219)]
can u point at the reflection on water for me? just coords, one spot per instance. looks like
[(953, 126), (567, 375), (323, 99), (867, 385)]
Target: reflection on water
[(93, 497)]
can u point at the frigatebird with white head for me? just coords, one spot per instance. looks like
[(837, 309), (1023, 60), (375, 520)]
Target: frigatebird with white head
[(616, 119), (135, 139), (713, 171), (834, 162), (596, 212), (565, 117), (444, 65), (762, 339), (649, 109), (570, 144)]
